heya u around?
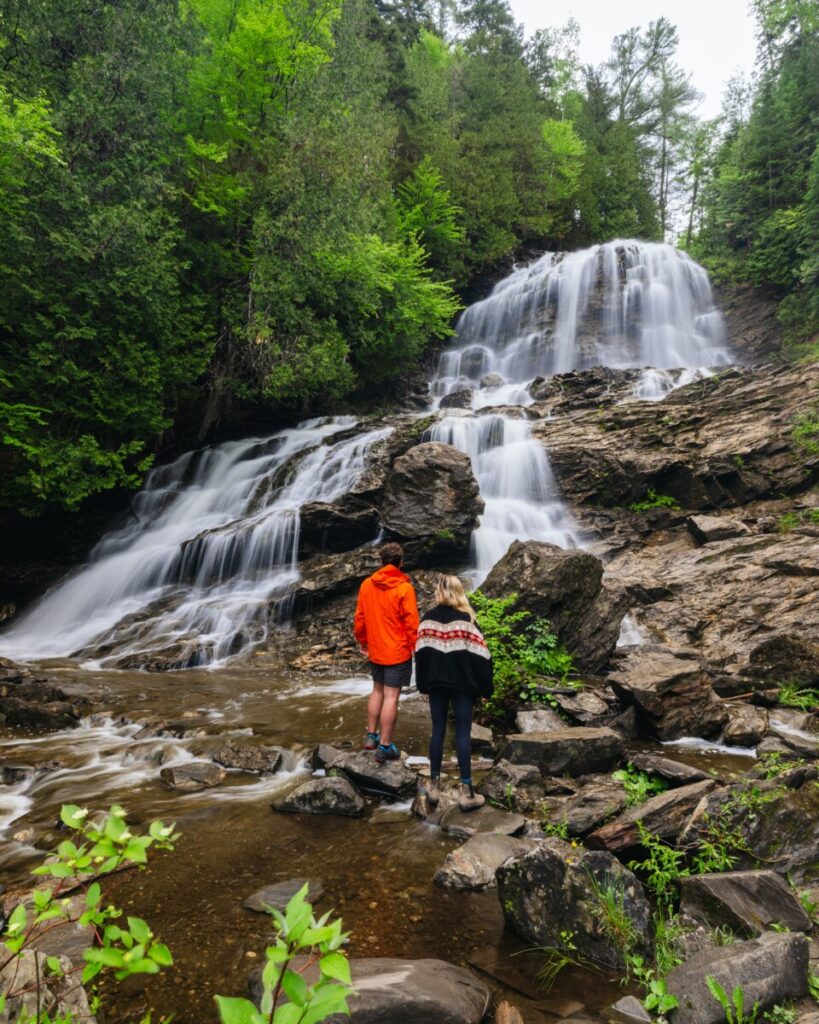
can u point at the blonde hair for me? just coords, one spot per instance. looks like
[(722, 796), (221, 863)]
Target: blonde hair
[(450, 591)]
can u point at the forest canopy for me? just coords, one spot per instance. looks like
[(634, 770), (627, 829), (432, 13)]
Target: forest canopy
[(212, 210)]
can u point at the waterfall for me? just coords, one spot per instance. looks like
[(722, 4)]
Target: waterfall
[(214, 539)]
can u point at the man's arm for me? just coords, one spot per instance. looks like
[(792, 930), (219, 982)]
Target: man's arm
[(408, 612), (360, 625)]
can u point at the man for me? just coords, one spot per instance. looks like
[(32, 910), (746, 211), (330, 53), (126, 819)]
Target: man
[(386, 626)]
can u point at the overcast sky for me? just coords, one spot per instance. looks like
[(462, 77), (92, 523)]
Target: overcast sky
[(716, 36)]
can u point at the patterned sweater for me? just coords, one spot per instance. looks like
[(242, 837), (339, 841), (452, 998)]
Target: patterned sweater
[(451, 654)]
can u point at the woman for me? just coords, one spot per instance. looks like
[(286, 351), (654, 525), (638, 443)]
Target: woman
[(452, 666)]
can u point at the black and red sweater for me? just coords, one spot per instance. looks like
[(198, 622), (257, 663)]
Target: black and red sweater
[(451, 654)]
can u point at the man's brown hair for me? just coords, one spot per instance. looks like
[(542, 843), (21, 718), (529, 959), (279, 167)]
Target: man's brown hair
[(391, 554)]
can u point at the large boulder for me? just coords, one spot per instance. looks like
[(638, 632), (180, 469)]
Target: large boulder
[(473, 865), (336, 526), (672, 694), (770, 970), (34, 717), (322, 796), (432, 502), (746, 726), (788, 656), (555, 889), (517, 787), (403, 992), (748, 902), (580, 751), (566, 588), (392, 779), (326, 576)]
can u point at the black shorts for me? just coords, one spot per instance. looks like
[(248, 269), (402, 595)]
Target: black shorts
[(392, 675)]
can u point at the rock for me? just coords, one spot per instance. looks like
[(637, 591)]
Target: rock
[(458, 399), (776, 823), (666, 815), (628, 1010), (331, 795), (248, 758), (481, 739), (748, 902), (189, 778), (625, 724), (675, 773), (673, 696), (555, 888), (486, 819), (324, 755), (786, 657), (492, 380), (770, 970), (565, 587), (708, 529), (336, 526), (473, 865), (279, 894), (392, 779), (801, 743), (34, 718), (516, 787), (579, 751), (404, 992), (582, 706), (65, 999), (432, 502), (330, 575), (596, 803), (539, 720), (746, 726)]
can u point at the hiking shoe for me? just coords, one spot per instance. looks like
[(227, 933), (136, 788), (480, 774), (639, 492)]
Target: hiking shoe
[(390, 753), (468, 799), (433, 793), (371, 741)]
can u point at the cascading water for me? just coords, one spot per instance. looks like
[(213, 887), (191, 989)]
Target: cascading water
[(214, 542)]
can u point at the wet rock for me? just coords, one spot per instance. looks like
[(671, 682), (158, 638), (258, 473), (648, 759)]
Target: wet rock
[(331, 795), (64, 999), (324, 755), (789, 656), (486, 819), (596, 803), (248, 758), (481, 740), (582, 706), (392, 779), (11, 774), (801, 743), (565, 587), (579, 751), (517, 787), (708, 529), (770, 970), (279, 894), (404, 992), (189, 778), (34, 718), (624, 724), (539, 720), (329, 575), (336, 526), (458, 399), (748, 902), (628, 1010), (666, 815), (555, 888), (473, 865), (746, 726), (11, 672), (776, 823), (675, 773), (432, 502), (673, 696)]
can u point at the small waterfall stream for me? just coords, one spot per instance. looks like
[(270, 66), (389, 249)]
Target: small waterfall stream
[(214, 537)]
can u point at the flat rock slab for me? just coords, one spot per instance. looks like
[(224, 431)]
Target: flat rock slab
[(247, 757), (486, 819), (279, 894), (582, 706), (628, 1010), (708, 529), (770, 969), (748, 902), (666, 815), (190, 778), (593, 805), (473, 865), (392, 779), (405, 992), (580, 751), (323, 796), (481, 740), (539, 720), (676, 773)]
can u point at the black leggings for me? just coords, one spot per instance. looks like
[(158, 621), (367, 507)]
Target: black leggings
[(438, 708)]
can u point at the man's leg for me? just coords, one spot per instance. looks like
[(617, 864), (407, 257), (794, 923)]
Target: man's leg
[(374, 705), (389, 713)]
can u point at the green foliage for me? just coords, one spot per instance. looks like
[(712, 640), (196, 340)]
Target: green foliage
[(813, 986), (806, 432), (780, 1015), (654, 500), (662, 868), (734, 1007), (610, 898), (523, 652), (299, 934), (557, 958), (639, 786), (98, 848), (793, 695)]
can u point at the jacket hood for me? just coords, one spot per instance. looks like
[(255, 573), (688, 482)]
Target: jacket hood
[(389, 576)]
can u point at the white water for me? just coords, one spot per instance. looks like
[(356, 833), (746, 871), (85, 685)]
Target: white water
[(213, 549)]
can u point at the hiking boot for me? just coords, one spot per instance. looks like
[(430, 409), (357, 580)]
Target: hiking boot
[(468, 799), (433, 793), (371, 741), (390, 753)]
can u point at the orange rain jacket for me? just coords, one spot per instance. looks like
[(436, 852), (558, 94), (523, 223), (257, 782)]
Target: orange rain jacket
[(386, 616)]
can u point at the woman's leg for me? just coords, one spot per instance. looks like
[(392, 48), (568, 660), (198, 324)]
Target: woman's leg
[(462, 707), (438, 707)]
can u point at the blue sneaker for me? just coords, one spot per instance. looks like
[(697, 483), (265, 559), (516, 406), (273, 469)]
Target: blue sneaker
[(371, 742), (390, 753)]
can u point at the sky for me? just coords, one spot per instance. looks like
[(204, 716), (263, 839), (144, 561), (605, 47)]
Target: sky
[(716, 36)]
